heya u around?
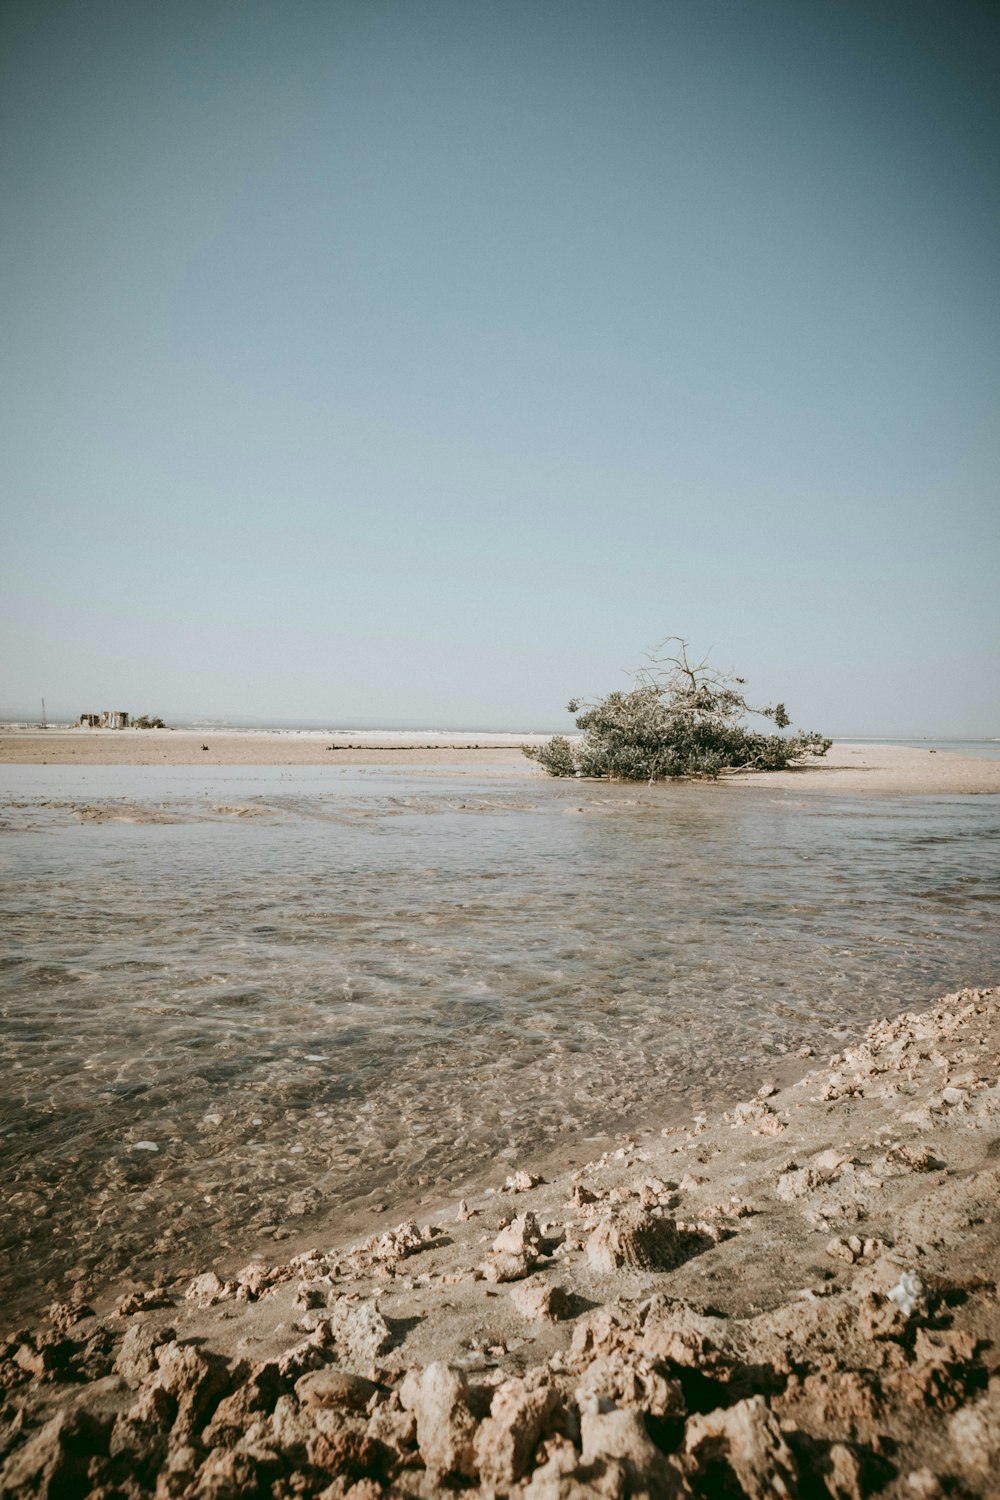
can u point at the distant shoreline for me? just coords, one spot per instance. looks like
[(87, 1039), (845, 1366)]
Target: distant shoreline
[(848, 768)]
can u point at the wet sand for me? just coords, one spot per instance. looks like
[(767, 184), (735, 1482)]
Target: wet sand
[(797, 1296), (846, 770)]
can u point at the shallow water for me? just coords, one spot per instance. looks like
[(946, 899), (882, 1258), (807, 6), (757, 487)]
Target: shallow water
[(980, 749), (312, 989)]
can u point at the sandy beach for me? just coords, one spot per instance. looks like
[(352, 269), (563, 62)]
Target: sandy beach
[(845, 770), (797, 1296)]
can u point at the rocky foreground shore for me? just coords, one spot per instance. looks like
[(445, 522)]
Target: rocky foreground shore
[(800, 1297)]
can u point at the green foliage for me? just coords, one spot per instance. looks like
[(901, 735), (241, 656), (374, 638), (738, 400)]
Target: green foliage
[(679, 720), (556, 756)]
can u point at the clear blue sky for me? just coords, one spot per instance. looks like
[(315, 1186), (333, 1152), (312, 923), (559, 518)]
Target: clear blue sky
[(390, 361)]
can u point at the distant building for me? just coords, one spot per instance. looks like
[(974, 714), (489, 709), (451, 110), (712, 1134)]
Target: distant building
[(111, 718)]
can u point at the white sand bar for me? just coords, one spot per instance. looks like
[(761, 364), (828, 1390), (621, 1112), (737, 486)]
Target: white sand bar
[(846, 769)]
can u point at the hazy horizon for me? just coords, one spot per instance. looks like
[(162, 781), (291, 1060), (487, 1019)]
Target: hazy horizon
[(439, 360), (339, 724)]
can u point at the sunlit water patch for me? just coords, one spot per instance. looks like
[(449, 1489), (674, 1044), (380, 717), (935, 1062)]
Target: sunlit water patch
[(246, 1003)]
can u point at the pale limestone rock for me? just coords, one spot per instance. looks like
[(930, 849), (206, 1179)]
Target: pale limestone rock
[(923, 1484), (290, 1426), (362, 1489), (251, 1401), (178, 1473), (629, 1379), (143, 1301), (360, 1331), (842, 1476), (521, 1182), (521, 1236), (562, 1477), (514, 1250), (391, 1246), (506, 1265), (394, 1428), (229, 1472), (253, 1280), (796, 1183), (207, 1288), (758, 1116), (305, 1356), (827, 1164), (446, 1427), (141, 1434), (909, 1294)]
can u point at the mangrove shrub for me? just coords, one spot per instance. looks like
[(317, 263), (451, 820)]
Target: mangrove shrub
[(678, 720)]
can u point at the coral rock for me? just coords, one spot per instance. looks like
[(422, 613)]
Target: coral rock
[(360, 1331), (520, 1237), (196, 1383), (620, 1438), (137, 1356), (141, 1433), (506, 1441), (53, 1462), (234, 1413), (541, 1301), (746, 1440), (975, 1432), (207, 1288), (507, 1265), (335, 1388), (637, 1240), (521, 1182), (439, 1399)]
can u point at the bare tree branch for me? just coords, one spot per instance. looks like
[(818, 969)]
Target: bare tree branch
[(680, 719)]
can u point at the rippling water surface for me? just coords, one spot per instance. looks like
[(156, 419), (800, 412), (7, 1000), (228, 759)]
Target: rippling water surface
[(311, 990)]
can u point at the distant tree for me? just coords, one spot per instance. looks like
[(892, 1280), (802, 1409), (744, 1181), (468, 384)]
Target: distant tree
[(679, 720), (146, 722)]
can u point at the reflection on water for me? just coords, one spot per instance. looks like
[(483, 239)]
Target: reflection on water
[(239, 1000)]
